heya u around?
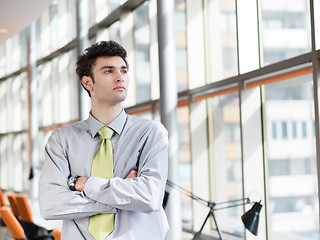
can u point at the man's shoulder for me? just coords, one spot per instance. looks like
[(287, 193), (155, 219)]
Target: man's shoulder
[(74, 128)]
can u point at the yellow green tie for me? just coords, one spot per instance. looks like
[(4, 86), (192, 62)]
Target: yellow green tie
[(101, 225)]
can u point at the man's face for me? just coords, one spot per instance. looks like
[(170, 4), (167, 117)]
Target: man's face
[(110, 80)]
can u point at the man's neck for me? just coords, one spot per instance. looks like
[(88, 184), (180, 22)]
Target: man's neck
[(106, 114)]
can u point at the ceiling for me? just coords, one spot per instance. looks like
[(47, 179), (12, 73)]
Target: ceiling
[(16, 15)]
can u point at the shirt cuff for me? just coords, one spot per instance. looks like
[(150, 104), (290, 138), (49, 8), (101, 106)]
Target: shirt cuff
[(92, 190), (94, 185)]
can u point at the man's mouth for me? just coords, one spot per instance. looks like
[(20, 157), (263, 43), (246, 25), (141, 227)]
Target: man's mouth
[(119, 88)]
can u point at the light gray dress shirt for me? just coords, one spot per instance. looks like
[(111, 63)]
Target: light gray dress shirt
[(139, 144)]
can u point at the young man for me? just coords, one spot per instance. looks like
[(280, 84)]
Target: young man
[(133, 195)]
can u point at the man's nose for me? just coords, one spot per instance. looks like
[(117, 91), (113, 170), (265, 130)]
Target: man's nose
[(119, 77)]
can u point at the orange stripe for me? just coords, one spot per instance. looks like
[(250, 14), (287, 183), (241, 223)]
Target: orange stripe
[(140, 111), (183, 103), (217, 93), (280, 77)]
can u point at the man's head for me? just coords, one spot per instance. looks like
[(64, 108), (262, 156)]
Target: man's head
[(86, 60)]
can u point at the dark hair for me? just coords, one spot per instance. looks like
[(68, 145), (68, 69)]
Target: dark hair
[(100, 49)]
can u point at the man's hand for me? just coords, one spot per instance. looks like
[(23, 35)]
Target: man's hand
[(79, 185), (132, 174)]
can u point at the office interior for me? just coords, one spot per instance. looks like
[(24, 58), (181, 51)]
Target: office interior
[(234, 81)]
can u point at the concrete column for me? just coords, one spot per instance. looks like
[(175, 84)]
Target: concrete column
[(168, 108)]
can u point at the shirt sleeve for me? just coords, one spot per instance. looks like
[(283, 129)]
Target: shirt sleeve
[(56, 200), (145, 192)]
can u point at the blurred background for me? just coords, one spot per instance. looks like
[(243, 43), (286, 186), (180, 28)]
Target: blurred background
[(245, 79)]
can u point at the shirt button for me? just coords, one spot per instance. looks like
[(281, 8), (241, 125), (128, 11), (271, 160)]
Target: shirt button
[(90, 194)]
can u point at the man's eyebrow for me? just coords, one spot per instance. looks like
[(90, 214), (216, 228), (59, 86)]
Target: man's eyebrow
[(111, 67)]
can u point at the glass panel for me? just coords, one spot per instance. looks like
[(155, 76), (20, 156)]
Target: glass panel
[(142, 41), (19, 157), (113, 4), (316, 9), (185, 165), (57, 91), (290, 150), (44, 33), (226, 167), (65, 88), (63, 24), (3, 107), (23, 99), (91, 13), (45, 94), (15, 53), (114, 32), (4, 145), (24, 48), (222, 39), (181, 44), (54, 25), (101, 9), (74, 86), (285, 29), (3, 62), (17, 106), (72, 19)]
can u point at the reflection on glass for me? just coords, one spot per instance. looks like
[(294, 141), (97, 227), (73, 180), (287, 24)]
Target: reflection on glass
[(142, 41), (45, 93), (63, 23), (185, 165), (181, 44), (113, 4), (3, 109), (4, 143), (114, 31), (226, 166), (285, 29), (101, 8), (54, 26), (18, 162), (15, 52), (222, 39), (290, 149)]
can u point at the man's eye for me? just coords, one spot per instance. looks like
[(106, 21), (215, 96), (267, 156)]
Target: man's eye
[(124, 71), (109, 71)]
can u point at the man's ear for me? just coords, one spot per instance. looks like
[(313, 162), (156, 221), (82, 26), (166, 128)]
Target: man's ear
[(87, 82)]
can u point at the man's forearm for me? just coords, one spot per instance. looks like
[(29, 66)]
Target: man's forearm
[(81, 181)]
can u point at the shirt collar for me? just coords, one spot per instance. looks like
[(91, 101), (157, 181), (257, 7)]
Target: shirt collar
[(116, 125)]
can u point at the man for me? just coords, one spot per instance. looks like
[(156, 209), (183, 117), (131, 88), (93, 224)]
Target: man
[(133, 196)]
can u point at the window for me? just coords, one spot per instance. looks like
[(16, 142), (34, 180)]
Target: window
[(222, 40), (181, 58), (142, 41), (292, 184), (285, 29), (184, 167), (225, 148)]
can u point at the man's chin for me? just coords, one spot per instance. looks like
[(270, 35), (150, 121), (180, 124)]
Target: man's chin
[(121, 98)]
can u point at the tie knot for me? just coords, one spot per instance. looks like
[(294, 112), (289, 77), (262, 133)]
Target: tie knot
[(105, 132)]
